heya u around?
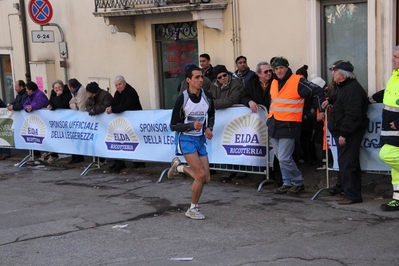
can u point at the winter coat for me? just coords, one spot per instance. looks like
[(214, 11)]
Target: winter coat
[(62, 101), (18, 103), (37, 100), (97, 104), (225, 96), (81, 96), (390, 112), (255, 92), (246, 76), (284, 129), (126, 100), (349, 112)]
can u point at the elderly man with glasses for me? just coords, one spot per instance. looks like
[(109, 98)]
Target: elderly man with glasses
[(257, 90), (226, 89)]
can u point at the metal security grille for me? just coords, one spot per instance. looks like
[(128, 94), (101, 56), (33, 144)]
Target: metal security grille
[(176, 31), (124, 4)]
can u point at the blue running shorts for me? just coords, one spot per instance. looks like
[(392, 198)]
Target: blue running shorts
[(189, 144)]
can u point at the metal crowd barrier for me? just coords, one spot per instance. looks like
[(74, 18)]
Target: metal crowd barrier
[(259, 170)]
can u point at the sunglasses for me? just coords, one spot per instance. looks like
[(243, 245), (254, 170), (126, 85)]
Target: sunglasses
[(222, 76), (267, 71)]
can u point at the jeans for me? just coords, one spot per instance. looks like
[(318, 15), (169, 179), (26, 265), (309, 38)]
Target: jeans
[(283, 149)]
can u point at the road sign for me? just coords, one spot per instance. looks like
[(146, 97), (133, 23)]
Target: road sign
[(63, 50), (40, 11), (42, 36)]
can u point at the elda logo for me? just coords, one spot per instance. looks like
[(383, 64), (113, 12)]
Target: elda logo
[(120, 136), (33, 130), (245, 135)]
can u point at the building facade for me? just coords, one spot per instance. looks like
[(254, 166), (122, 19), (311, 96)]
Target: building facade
[(150, 41)]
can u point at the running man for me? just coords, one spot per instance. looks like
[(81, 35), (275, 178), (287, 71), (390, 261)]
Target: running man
[(193, 117)]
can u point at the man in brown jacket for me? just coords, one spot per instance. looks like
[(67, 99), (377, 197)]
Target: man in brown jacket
[(97, 102), (98, 99)]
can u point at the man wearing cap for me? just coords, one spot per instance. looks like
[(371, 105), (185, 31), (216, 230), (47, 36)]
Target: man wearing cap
[(287, 94), (389, 138), (97, 102), (98, 99), (347, 123), (226, 89)]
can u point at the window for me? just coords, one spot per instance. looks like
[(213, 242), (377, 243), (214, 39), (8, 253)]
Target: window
[(344, 24)]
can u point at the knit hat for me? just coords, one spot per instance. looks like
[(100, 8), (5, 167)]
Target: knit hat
[(344, 65), (280, 61), (92, 87), (319, 81), (303, 71), (219, 69)]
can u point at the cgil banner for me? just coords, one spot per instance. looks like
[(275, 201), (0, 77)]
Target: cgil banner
[(239, 136), (370, 148), (6, 130)]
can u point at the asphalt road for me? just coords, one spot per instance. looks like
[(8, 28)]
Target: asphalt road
[(51, 215)]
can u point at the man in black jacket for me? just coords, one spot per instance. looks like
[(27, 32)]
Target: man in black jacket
[(125, 99), (258, 87), (206, 67), (22, 95), (347, 123)]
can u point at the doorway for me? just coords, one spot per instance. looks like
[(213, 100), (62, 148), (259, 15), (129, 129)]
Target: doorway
[(177, 46)]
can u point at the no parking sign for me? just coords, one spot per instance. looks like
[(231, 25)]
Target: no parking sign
[(40, 11)]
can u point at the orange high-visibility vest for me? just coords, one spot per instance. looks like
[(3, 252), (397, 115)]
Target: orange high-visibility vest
[(287, 104)]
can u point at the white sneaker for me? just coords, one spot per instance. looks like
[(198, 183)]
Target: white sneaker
[(195, 214), (173, 167)]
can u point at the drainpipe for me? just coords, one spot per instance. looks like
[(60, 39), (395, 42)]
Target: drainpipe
[(235, 23), (25, 39), (62, 40), (238, 27)]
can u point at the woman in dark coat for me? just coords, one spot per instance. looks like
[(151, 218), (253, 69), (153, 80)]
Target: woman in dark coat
[(59, 99)]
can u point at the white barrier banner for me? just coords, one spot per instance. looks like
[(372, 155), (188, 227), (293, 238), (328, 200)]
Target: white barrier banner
[(6, 128), (239, 135), (369, 149)]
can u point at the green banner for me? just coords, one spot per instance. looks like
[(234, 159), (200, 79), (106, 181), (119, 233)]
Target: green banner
[(6, 128)]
